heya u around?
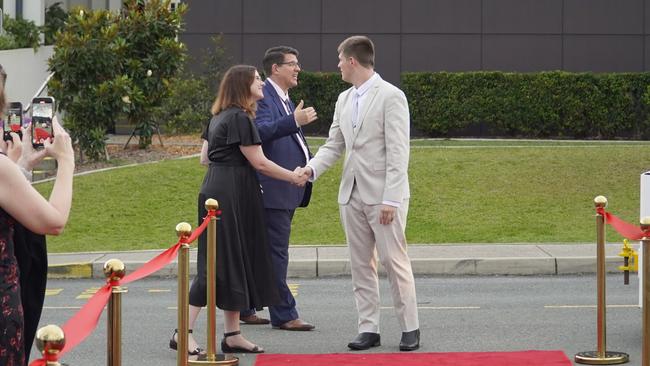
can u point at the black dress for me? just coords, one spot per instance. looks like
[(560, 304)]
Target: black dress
[(11, 311), (245, 278), (30, 250)]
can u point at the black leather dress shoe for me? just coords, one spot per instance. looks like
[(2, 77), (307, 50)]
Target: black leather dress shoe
[(410, 341), (364, 341)]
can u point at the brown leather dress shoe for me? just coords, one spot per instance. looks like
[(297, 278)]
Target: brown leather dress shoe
[(254, 319), (296, 324)]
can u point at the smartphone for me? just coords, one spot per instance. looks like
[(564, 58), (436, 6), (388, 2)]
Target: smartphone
[(42, 114), (14, 120)]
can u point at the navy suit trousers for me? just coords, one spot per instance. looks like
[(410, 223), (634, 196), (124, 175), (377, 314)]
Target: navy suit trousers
[(278, 223)]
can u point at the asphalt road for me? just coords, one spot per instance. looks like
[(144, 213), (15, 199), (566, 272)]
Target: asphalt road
[(498, 313)]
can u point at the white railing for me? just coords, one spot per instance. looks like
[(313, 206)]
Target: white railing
[(26, 69)]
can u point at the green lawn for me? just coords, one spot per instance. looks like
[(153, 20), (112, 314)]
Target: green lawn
[(461, 192)]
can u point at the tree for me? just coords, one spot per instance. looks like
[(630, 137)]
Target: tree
[(111, 65), (153, 57)]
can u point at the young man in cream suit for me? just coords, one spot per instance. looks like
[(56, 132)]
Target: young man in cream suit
[(371, 126)]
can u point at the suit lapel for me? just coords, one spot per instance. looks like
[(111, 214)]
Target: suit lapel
[(268, 88)]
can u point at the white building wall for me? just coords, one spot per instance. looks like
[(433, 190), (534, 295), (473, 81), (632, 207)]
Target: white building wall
[(26, 71)]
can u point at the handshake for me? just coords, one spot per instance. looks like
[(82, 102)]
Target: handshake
[(301, 175)]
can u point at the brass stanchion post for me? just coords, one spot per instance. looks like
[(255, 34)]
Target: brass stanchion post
[(50, 340), (645, 242), (183, 230), (212, 357), (601, 356), (114, 270)]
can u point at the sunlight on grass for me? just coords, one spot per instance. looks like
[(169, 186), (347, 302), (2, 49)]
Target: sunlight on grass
[(488, 193)]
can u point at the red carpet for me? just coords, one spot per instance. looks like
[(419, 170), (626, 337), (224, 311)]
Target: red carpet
[(522, 358)]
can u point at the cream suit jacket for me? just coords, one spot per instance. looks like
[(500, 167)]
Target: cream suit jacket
[(376, 151)]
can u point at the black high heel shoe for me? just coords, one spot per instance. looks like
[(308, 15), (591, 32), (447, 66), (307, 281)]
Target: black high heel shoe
[(225, 348), (173, 344)]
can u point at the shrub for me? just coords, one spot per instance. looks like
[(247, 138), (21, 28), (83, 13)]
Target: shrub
[(151, 58), (7, 42), (24, 32), (319, 90), (187, 108), (55, 18), (546, 104), (108, 64)]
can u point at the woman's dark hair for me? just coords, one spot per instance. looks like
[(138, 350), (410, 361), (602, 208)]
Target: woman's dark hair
[(235, 90)]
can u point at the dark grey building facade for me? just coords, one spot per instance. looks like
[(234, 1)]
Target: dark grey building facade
[(434, 35)]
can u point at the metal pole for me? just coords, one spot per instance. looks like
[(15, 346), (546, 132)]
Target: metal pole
[(645, 241), (212, 205), (601, 356), (114, 270), (212, 357), (183, 230), (601, 304), (50, 340)]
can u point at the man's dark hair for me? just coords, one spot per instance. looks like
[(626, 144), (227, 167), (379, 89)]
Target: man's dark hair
[(275, 55), (361, 48)]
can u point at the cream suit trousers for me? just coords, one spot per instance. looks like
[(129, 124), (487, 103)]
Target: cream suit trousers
[(366, 237)]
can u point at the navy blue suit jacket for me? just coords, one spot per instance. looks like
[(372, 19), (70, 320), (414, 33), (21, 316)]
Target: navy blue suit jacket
[(280, 144)]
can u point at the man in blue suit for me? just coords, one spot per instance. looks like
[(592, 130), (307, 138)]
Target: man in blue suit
[(278, 121)]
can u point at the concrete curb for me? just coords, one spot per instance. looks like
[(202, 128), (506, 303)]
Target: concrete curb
[(426, 260)]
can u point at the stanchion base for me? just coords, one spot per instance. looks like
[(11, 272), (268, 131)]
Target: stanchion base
[(610, 358), (218, 359)]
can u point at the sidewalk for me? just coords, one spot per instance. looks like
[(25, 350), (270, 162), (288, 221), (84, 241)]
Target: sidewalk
[(324, 261)]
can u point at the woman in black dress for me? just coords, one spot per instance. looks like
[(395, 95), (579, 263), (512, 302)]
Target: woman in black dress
[(245, 277), (21, 203)]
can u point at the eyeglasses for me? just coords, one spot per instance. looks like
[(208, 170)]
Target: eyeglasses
[(291, 63)]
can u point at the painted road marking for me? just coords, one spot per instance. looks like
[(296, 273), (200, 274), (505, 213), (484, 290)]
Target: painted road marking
[(440, 307), (586, 306), (87, 294), (157, 290), (293, 287), (53, 291)]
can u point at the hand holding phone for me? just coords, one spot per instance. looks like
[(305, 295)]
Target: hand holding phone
[(42, 114), (61, 148)]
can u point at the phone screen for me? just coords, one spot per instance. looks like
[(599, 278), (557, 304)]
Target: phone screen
[(14, 119), (42, 114), (41, 130), (42, 110)]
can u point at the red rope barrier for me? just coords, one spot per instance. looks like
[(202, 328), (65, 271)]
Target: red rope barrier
[(77, 328), (626, 229)]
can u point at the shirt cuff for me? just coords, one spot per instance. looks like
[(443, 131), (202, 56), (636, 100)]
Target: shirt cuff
[(391, 203), (313, 173)]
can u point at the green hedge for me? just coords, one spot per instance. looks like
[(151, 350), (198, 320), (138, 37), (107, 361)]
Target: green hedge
[(535, 105), (319, 90), (546, 104)]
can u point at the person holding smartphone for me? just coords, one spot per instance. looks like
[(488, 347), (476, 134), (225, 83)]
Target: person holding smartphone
[(21, 204)]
